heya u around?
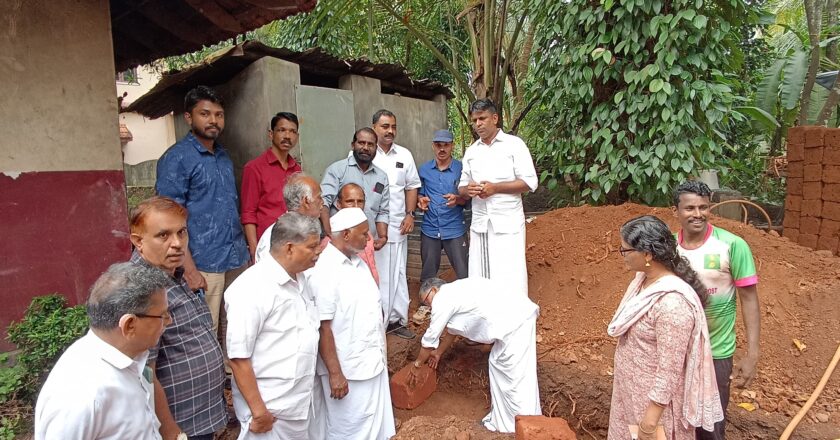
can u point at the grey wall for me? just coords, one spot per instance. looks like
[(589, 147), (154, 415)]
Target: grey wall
[(326, 128)]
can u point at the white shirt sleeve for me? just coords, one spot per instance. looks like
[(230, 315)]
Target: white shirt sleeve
[(263, 245), (65, 420), (245, 318), (442, 312), (466, 175), (523, 166), (326, 296), (412, 178)]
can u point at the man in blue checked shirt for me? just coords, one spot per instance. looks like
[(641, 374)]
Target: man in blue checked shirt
[(198, 174), (443, 221)]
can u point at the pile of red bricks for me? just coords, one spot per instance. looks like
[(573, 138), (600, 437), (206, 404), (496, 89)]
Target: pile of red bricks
[(812, 206), (405, 396)]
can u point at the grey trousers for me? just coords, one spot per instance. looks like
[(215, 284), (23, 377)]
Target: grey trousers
[(723, 369), (456, 250)]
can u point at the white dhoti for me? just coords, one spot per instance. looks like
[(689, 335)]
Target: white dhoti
[(393, 287), (499, 257), (513, 378), (281, 430), (365, 413)]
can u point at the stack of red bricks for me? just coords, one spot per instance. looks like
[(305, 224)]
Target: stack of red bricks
[(812, 206)]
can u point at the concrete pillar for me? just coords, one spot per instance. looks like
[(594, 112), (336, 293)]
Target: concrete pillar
[(367, 97)]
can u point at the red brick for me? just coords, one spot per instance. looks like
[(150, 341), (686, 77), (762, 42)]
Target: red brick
[(829, 228), (543, 428), (795, 151), (831, 155), (830, 173), (796, 169), (812, 191), (814, 137), (405, 397), (791, 220), (793, 203), (827, 243), (809, 225), (792, 234), (831, 210), (811, 208), (813, 173), (794, 186), (814, 156), (831, 192), (808, 240), (832, 137), (796, 135)]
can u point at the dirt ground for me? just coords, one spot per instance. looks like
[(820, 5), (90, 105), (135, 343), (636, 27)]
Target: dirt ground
[(578, 278)]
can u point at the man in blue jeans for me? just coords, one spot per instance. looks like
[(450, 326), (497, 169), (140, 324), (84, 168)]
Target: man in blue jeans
[(443, 226)]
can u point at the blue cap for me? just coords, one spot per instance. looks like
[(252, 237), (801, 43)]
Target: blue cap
[(443, 136)]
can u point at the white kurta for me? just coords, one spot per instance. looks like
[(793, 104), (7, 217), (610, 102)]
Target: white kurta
[(348, 297), (398, 164), (481, 310), (273, 321), (497, 231), (95, 391)]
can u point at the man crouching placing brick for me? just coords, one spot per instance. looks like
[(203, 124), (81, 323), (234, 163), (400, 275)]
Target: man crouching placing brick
[(479, 310)]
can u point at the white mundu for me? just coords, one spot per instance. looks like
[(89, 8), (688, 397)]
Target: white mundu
[(348, 297), (273, 321), (96, 392), (479, 310), (391, 260), (497, 231)]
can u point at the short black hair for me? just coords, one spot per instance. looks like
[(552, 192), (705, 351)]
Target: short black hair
[(365, 130), (691, 187), (201, 93), (291, 117), (380, 113), (483, 104)]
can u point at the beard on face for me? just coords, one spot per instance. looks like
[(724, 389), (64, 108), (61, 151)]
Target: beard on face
[(204, 132), (361, 160)]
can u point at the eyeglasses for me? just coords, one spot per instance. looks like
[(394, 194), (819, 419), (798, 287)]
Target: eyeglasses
[(624, 251), (163, 317)]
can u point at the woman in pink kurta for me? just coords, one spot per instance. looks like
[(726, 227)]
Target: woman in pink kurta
[(664, 374)]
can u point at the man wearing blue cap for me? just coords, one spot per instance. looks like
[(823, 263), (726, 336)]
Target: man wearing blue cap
[(443, 221)]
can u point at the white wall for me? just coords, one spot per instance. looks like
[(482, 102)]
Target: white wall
[(151, 137)]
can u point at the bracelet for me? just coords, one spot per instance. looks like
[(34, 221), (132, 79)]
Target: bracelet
[(652, 431)]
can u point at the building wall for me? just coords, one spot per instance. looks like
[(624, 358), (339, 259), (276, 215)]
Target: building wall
[(62, 193), (812, 205)]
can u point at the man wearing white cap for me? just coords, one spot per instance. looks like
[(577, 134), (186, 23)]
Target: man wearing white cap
[(352, 397)]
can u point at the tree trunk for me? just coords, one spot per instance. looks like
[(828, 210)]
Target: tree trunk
[(813, 13), (831, 25)]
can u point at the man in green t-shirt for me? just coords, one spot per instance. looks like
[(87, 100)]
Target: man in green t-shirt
[(724, 263)]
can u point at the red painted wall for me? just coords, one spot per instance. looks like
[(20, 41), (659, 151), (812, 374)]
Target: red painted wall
[(58, 232)]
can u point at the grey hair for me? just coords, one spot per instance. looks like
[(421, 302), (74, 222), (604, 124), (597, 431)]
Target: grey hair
[(124, 288), (429, 284), (295, 190), (380, 113), (293, 227), (483, 104)]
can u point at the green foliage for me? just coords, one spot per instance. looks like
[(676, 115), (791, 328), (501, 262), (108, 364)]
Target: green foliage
[(745, 169), (47, 328), (634, 94)]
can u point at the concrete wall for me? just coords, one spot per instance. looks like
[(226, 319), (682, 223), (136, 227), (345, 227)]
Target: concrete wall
[(812, 206), (62, 193)]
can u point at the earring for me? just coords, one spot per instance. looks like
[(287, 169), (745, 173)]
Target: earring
[(647, 263)]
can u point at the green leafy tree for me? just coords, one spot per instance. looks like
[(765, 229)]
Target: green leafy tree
[(634, 94)]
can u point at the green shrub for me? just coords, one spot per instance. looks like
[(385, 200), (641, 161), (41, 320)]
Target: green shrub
[(47, 329)]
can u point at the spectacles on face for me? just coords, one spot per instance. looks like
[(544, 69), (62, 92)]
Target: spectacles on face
[(165, 316), (423, 301), (624, 251)]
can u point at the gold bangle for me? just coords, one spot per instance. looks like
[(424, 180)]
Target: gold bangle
[(646, 432)]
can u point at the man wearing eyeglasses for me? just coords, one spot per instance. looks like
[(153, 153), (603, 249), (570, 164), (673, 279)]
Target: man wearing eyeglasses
[(188, 367), (100, 387)]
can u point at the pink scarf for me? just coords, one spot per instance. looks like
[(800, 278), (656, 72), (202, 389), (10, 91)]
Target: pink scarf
[(701, 403)]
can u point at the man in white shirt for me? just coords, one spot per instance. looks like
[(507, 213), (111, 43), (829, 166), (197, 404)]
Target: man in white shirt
[(483, 311), (353, 399), (302, 194), (272, 335), (100, 388), (403, 183), (497, 169)]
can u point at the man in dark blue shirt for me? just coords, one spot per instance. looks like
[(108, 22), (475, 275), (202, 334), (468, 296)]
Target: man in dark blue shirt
[(198, 173), (443, 221)]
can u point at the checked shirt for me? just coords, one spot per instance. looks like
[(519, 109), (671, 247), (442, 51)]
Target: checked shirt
[(188, 361)]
